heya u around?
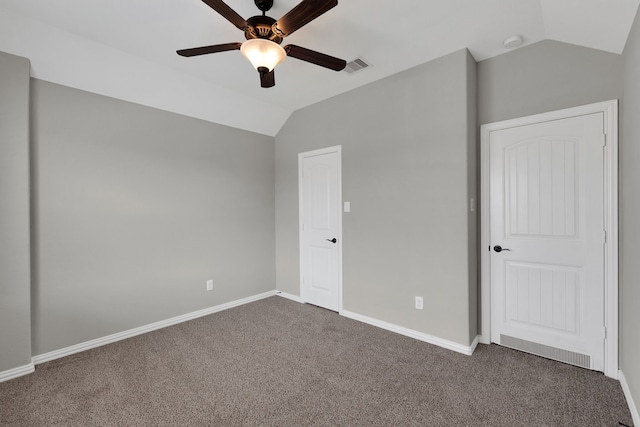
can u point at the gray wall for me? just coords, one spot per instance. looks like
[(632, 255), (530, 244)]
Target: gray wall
[(408, 170), (15, 314), (545, 76), (630, 215), (135, 208)]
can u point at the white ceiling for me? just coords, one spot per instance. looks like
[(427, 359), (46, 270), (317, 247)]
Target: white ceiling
[(126, 48)]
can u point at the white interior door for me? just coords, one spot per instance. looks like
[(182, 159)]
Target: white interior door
[(321, 227), (547, 204)]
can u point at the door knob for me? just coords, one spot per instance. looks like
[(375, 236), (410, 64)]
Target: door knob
[(334, 240), (499, 248)]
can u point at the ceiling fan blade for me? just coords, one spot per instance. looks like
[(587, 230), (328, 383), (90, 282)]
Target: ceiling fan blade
[(229, 14), (209, 49), (267, 78), (314, 57), (302, 14)]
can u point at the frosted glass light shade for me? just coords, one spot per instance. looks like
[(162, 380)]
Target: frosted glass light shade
[(263, 53)]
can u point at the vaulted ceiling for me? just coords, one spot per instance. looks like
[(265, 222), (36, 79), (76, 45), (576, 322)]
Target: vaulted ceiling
[(126, 48)]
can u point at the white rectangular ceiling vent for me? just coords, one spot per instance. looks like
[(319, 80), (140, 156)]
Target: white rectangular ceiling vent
[(356, 65)]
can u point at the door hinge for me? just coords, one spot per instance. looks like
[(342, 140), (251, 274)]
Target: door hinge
[(604, 236), (604, 140), (604, 332)]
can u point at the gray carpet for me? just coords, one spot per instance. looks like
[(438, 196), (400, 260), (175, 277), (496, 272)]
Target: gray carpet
[(279, 363)]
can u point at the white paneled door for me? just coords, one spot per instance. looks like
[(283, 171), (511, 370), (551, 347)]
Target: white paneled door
[(321, 227), (547, 239)]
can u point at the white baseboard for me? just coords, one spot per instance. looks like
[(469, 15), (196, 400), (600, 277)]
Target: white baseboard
[(627, 394), (468, 350), (289, 296), (56, 354), (16, 372), (450, 345), (474, 344), (67, 351)]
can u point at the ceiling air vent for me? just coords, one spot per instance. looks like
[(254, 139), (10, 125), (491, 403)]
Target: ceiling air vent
[(356, 65)]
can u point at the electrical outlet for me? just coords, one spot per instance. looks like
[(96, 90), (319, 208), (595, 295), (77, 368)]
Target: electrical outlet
[(419, 303), (209, 285)]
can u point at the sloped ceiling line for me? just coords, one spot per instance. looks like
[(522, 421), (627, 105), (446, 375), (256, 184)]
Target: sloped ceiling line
[(126, 49)]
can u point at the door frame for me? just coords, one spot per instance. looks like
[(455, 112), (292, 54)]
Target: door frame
[(338, 150), (610, 113)]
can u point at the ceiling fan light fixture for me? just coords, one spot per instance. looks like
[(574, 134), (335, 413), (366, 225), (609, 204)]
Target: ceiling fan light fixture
[(263, 53)]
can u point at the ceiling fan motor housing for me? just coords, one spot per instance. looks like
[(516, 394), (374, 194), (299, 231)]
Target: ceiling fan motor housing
[(261, 27)]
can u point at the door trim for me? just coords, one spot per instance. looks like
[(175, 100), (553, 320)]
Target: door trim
[(338, 150), (610, 112)]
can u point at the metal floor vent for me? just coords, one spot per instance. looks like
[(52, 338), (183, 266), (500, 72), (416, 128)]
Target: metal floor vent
[(356, 65), (566, 356)]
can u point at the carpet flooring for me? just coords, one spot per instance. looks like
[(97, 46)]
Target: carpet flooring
[(275, 362)]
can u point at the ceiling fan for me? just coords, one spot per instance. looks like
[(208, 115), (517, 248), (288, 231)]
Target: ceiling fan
[(264, 36)]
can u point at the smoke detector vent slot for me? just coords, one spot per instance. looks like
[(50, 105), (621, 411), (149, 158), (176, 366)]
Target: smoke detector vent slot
[(356, 65)]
